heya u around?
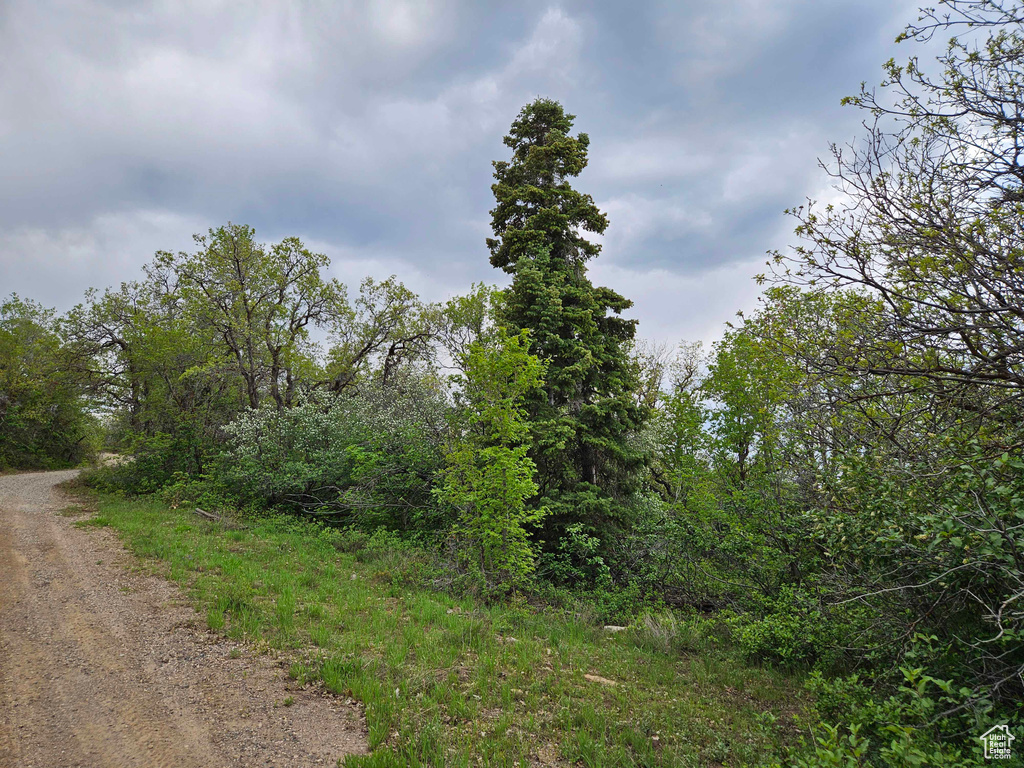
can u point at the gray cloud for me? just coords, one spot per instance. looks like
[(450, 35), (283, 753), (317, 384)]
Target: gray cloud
[(369, 128)]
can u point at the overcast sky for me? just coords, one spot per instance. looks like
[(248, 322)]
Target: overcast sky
[(368, 130)]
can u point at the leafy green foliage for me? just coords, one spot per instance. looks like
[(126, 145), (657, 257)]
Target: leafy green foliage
[(43, 418), (490, 477), (257, 300), (162, 375), (914, 511), (466, 320), (227, 328), (906, 728), (938, 551), (371, 457), (380, 335)]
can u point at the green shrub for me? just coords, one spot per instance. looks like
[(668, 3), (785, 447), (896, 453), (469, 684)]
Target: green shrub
[(577, 561), (793, 629), (922, 724), (207, 492), (155, 462), (367, 459), (490, 477), (44, 418)]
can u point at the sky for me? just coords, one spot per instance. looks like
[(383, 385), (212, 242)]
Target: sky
[(368, 130)]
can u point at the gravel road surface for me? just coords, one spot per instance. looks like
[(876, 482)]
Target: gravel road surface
[(102, 665)]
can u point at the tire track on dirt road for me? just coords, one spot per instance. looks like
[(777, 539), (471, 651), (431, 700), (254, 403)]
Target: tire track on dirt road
[(102, 666)]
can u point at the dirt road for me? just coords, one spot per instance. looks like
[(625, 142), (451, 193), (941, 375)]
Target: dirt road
[(102, 665)]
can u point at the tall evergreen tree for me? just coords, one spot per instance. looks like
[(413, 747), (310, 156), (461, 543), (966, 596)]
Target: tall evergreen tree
[(582, 421)]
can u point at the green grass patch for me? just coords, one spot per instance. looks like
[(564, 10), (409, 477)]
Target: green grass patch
[(447, 681)]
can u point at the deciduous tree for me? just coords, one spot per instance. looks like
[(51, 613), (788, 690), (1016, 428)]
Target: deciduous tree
[(43, 416), (259, 299), (490, 476)]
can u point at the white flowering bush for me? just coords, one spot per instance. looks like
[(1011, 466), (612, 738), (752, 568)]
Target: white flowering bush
[(370, 457)]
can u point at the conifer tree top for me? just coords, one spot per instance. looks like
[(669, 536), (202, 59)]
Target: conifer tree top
[(536, 207)]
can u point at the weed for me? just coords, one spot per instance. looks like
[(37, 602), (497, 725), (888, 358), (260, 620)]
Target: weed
[(215, 619)]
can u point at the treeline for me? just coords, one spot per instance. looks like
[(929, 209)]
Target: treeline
[(45, 422), (837, 484)]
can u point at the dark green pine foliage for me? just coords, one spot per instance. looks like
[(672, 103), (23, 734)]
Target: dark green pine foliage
[(583, 420)]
